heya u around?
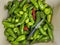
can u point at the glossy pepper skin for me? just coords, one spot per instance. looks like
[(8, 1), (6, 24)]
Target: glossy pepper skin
[(16, 11), (44, 39), (24, 42), (25, 7), (35, 34), (49, 25), (45, 27), (41, 6), (9, 30), (30, 16), (16, 31), (22, 19), (10, 38), (30, 7), (14, 43), (22, 29), (34, 3), (7, 24), (15, 5), (48, 11), (42, 31), (21, 38), (23, 2), (49, 17), (50, 33)]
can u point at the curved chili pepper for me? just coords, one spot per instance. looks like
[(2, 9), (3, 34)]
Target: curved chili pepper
[(15, 5), (34, 14)]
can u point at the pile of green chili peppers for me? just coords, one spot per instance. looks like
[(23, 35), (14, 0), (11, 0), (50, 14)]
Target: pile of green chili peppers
[(20, 15)]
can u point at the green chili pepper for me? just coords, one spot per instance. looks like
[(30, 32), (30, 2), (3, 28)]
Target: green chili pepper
[(35, 3), (27, 20), (35, 34), (30, 7), (30, 16), (33, 41), (16, 20), (50, 33), (22, 3), (10, 38), (40, 36), (25, 7), (22, 28), (49, 17), (44, 39), (13, 19), (42, 31), (21, 38), (30, 23), (31, 38), (26, 32), (49, 25), (22, 19), (11, 32), (15, 5), (24, 42), (41, 6), (15, 43), (37, 19), (48, 11), (16, 30), (45, 27), (7, 24), (21, 12), (16, 11)]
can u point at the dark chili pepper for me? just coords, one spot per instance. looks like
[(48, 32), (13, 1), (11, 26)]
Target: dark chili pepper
[(15, 5), (10, 5)]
